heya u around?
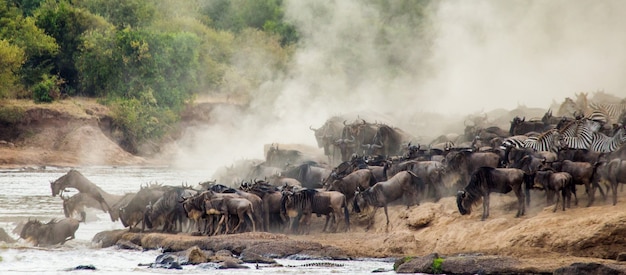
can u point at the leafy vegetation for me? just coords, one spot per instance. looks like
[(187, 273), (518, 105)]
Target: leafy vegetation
[(437, 269), (147, 59)]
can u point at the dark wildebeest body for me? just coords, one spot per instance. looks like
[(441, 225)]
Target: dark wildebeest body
[(582, 174), (77, 203), (279, 157), (390, 139), (51, 233), (257, 202), (131, 214), (401, 185), (271, 198), (581, 155), (168, 211), (327, 134), (226, 206), (347, 185), (309, 175), (615, 173), (465, 163), (430, 172), (555, 183), (194, 210), (75, 179), (519, 126), (299, 205), (486, 180)]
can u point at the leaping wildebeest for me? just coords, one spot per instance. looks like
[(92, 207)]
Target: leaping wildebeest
[(403, 185), (75, 179), (486, 180), (51, 233)]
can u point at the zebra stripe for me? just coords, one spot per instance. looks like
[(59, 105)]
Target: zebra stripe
[(578, 134), (605, 144), (547, 141), (514, 142), (612, 110)]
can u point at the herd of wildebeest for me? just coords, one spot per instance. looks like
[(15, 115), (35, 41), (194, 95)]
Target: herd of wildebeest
[(369, 165)]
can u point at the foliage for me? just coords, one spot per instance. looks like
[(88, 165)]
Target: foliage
[(140, 122), (27, 6), (38, 47), (48, 89), (122, 13), (11, 59), (11, 114), (66, 23), (238, 15), (437, 269)]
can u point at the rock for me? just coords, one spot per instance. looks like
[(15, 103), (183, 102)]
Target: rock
[(481, 265), (418, 265), (589, 268), (232, 264), (223, 253), (281, 249), (621, 257), (4, 237), (326, 253), (167, 261), (108, 238), (195, 255), (251, 257), (124, 244), (82, 267)]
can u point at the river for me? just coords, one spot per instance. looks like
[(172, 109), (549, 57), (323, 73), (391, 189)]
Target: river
[(26, 194)]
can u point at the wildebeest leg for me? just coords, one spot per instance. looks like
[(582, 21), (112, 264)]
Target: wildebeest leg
[(219, 224), (83, 216), (590, 193), (370, 222), (485, 206), (387, 216), (326, 223), (521, 206)]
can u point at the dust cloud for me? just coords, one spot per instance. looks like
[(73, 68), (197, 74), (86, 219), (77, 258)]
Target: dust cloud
[(418, 66)]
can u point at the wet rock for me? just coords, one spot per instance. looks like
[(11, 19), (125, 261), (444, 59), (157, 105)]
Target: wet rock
[(195, 255), (481, 265), (251, 257), (417, 264), (621, 257), (4, 237), (223, 253), (108, 238), (166, 261), (124, 244), (326, 253), (590, 268), (231, 264), (82, 267)]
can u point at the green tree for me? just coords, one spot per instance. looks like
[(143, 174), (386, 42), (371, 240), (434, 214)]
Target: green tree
[(39, 48), (122, 13), (66, 24), (11, 59)]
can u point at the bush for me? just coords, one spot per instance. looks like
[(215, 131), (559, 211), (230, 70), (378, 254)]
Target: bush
[(11, 114), (437, 266), (48, 89)]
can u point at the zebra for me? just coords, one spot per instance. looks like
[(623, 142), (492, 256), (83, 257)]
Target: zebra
[(605, 144), (546, 141), (613, 111), (578, 134)]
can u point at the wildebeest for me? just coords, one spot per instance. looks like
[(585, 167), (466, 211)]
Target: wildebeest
[(132, 213), (77, 203), (75, 179), (486, 180), (347, 185), (310, 175), (51, 233), (464, 163), (271, 198), (327, 134), (276, 157), (401, 185), (615, 173), (519, 126), (167, 210), (582, 174), (226, 206), (301, 204), (554, 183)]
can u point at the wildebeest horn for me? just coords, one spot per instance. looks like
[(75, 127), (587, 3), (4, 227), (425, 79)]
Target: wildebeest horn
[(311, 127), (344, 123), (378, 146)]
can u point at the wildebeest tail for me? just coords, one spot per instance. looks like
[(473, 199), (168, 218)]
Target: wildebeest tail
[(346, 214)]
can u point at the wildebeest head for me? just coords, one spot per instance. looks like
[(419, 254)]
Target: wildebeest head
[(465, 207)]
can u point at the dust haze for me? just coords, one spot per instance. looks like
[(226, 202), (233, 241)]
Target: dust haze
[(418, 72)]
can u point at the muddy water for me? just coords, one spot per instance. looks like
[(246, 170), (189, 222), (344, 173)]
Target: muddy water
[(26, 194)]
